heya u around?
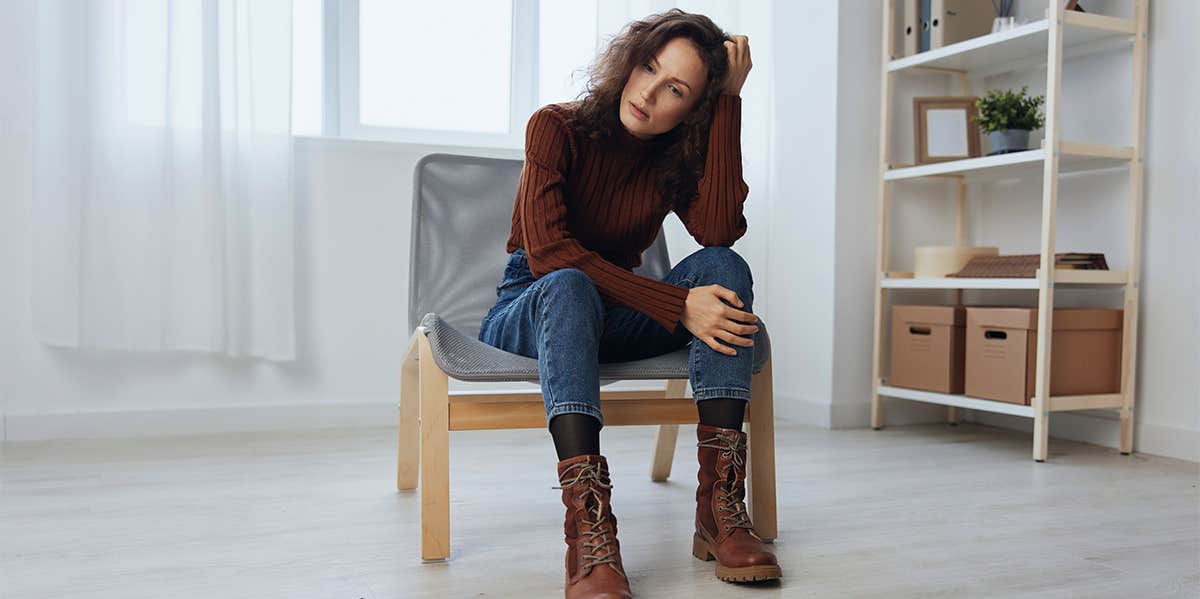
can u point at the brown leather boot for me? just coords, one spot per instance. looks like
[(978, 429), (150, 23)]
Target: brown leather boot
[(723, 527), (594, 567)]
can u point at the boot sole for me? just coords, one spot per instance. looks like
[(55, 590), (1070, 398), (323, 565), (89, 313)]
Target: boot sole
[(703, 551)]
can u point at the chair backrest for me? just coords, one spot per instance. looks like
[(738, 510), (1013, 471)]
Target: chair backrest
[(461, 219)]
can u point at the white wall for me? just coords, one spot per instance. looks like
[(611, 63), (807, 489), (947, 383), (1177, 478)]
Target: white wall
[(801, 230), (822, 236), (920, 215)]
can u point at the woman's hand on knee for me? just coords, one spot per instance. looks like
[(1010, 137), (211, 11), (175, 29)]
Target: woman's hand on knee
[(713, 321)]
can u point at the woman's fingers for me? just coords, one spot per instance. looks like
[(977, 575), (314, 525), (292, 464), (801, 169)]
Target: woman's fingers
[(738, 49), (741, 44), (739, 315), (731, 297), (744, 51), (738, 328), (716, 322), (732, 339), (728, 295), (737, 45), (731, 50), (718, 346)]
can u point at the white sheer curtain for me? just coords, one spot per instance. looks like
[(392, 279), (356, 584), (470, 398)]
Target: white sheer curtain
[(163, 205), (582, 27)]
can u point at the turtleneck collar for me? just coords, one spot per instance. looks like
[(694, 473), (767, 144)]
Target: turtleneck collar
[(624, 140)]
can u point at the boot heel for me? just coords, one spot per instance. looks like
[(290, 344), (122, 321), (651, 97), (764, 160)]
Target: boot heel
[(700, 549)]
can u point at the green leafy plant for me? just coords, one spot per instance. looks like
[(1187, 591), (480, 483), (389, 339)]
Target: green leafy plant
[(1001, 110)]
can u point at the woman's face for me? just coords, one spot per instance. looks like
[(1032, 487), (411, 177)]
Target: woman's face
[(661, 92)]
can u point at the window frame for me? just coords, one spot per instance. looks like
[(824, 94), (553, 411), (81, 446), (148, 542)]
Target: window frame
[(340, 115)]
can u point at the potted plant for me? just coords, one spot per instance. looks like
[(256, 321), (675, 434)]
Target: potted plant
[(1007, 117)]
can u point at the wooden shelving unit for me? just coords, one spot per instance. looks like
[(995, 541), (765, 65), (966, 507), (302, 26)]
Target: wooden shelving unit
[(1039, 44)]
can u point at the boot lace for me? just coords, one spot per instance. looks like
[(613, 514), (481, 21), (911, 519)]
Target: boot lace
[(598, 547), (733, 450)]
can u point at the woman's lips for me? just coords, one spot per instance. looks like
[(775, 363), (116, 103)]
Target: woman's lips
[(637, 113)]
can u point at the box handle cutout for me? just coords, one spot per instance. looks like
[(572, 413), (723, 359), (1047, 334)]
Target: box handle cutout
[(995, 335), (919, 330)]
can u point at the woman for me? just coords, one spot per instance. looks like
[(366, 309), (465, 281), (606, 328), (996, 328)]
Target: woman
[(657, 131)]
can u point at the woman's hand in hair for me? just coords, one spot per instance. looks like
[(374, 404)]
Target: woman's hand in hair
[(738, 47), (707, 315)]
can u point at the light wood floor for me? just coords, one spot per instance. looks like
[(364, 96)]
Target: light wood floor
[(921, 511)]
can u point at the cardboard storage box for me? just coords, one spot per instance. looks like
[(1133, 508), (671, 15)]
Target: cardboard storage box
[(927, 348), (1085, 353)]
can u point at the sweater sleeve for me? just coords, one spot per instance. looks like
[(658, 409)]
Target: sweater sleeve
[(714, 216), (549, 246)]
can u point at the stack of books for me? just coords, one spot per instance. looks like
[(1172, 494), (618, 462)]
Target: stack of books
[(1025, 266)]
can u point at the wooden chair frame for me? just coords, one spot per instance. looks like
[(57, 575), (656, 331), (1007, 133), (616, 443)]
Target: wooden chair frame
[(428, 412)]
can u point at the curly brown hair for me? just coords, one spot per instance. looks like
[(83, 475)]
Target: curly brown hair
[(684, 148)]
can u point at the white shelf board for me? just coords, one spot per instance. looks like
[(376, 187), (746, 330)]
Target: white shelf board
[(961, 401), (1020, 165), (1062, 277), (1057, 404), (1013, 49)]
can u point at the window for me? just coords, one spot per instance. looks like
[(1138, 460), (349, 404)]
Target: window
[(443, 66), (459, 72), (566, 46), (308, 47)]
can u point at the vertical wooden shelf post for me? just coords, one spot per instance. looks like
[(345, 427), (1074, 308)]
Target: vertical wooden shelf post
[(1141, 12), (881, 233), (1045, 332)]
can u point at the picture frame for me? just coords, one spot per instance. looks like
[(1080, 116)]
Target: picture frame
[(945, 129)]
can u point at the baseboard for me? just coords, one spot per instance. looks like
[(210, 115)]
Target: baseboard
[(1104, 429), (1096, 427), (858, 414), (797, 409), (132, 423), (1086, 427), (109, 424)]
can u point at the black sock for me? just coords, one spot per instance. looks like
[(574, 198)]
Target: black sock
[(575, 434), (722, 412)]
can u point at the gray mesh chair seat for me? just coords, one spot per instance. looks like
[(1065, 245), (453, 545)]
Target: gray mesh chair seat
[(469, 359), (461, 218)]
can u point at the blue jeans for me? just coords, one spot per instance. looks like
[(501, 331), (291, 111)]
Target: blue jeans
[(560, 320)]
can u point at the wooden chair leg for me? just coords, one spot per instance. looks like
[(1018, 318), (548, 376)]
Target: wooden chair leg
[(761, 475), (435, 456), (668, 434), (407, 463)]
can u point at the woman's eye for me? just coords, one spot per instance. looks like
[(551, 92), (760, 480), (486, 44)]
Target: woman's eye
[(648, 67), (675, 90)]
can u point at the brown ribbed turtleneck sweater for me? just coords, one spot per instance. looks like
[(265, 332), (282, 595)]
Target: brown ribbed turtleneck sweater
[(593, 205)]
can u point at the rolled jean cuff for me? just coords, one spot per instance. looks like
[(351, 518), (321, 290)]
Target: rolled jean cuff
[(700, 395), (574, 408)]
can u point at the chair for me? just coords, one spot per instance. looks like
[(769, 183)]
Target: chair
[(460, 221)]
